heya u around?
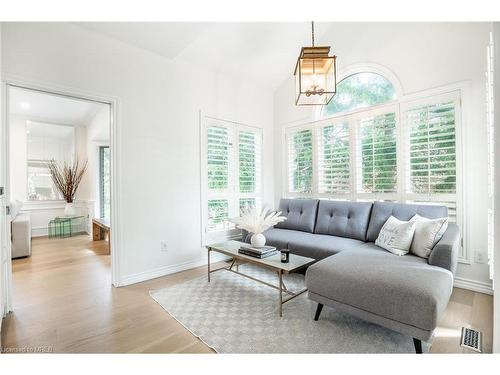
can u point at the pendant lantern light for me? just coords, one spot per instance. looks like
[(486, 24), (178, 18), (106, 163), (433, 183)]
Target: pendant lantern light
[(315, 75)]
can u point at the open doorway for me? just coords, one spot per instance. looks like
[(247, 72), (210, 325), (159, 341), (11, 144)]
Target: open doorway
[(56, 239)]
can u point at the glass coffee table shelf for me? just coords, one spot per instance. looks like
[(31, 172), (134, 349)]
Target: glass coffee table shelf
[(296, 263), (62, 226)]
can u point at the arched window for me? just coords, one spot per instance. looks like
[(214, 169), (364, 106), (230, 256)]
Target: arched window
[(358, 91)]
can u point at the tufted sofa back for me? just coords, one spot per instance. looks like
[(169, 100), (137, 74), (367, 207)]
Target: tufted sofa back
[(383, 210), (358, 220), (343, 219), (300, 214)]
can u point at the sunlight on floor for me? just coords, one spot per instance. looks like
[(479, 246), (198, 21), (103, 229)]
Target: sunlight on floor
[(448, 332)]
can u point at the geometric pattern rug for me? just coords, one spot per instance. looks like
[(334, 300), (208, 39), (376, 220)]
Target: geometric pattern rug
[(234, 314)]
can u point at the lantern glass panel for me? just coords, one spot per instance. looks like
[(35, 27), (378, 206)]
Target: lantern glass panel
[(315, 80)]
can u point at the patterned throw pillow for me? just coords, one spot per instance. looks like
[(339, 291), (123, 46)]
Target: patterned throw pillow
[(427, 233), (396, 236)]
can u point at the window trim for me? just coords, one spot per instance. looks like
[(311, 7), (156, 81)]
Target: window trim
[(458, 92), (232, 194), (365, 68)]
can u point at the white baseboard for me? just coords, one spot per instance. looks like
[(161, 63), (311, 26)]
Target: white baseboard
[(39, 232), (44, 232), (168, 270), (476, 286)]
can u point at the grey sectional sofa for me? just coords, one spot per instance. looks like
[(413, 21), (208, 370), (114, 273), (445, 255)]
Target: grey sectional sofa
[(407, 293)]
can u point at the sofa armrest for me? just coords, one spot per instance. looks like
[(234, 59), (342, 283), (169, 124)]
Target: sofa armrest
[(445, 252)]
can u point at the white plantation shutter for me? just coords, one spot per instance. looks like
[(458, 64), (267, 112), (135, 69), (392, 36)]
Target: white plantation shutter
[(219, 145), (250, 151), (232, 166), (218, 213), (334, 159), (300, 161), (249, 161), (377, 154), (431, 144), (218, 158)]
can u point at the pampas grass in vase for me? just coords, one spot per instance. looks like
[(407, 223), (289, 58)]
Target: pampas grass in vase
[(256, 222)]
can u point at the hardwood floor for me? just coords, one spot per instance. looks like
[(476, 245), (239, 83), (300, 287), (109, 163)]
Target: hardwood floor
[(64, 302), (63, 299)]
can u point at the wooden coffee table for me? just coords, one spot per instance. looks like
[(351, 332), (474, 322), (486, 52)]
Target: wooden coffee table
[(273, 263)]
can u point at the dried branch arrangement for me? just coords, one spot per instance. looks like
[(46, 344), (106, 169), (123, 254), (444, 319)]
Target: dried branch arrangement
[(67, 177)]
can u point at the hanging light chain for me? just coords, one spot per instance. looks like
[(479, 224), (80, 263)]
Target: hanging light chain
[(312, 32)]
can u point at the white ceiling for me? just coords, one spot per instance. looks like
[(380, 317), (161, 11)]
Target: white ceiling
[(52, 108), (261, 52)]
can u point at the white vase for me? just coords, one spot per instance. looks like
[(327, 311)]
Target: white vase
[(69, 209), (258, 240)]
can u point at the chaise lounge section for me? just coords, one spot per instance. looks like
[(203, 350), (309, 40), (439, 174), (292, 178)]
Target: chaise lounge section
[(407, 294)]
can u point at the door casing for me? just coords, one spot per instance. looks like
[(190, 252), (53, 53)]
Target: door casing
[(113, 102)]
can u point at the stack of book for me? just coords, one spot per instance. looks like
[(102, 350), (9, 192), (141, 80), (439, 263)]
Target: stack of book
[(258, 252)]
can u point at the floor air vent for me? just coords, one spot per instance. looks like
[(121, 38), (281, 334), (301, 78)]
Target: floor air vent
[(471, 339)]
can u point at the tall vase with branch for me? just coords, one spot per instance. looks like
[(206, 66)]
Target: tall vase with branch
[(257, 222), (67, 178)]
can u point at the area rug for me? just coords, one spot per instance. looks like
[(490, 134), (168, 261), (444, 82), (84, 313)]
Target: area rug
[(234, 314)]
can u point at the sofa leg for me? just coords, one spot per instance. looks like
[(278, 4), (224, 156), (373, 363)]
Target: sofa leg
[(318, 311), (418, 345)]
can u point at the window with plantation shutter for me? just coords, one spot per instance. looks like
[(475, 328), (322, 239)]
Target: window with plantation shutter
[(231, 169), (249, 161), (431, 162), (334, 174), (377, 154), (431, 152), (300, 156), (404, 149)]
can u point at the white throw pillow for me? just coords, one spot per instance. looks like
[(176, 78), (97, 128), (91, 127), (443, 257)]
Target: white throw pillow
[(396, 236), (427, 233)]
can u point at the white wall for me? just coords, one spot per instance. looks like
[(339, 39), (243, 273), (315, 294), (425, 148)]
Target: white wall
[(97, 135), (2, 203), (158, 147), (17, 155), (422, 56), (496, 297)]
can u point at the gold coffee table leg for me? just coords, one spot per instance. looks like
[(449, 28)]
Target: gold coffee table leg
[(280, 275), (208, 264)]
